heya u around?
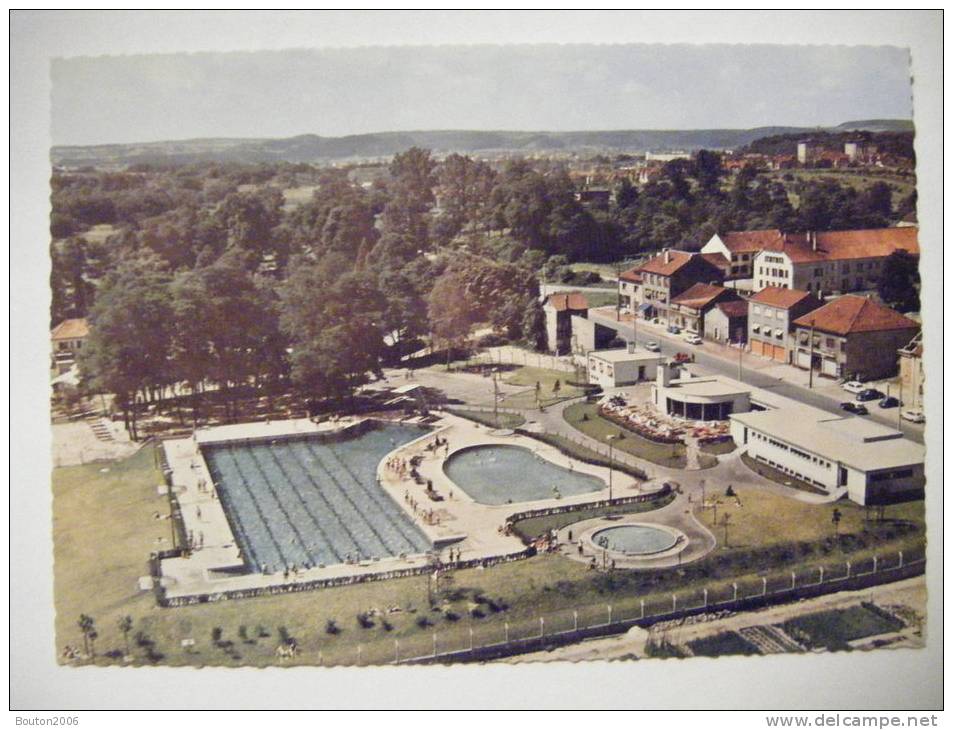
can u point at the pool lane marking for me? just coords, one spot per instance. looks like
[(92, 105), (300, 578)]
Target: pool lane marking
[(370, 525), (398, 523), (321, 533), (230, 509), (253, 451), (319, 492), (261, 515)]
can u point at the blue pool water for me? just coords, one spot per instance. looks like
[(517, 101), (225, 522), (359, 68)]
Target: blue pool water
[(634, 539), (312, 501), (500, 474)]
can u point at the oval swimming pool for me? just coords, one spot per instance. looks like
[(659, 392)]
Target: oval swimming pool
[(499, 474), (634, 539)]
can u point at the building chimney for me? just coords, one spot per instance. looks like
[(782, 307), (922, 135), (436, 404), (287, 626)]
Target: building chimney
[(666, 256), (813, 236), (630, 346)]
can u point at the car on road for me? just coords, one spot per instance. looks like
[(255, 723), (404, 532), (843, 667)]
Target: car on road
[(912, 415), (853, 386), (889, 402), (673, 330), (653, 346), (869, 394), (855, 408), (682, 357), (693, 339)]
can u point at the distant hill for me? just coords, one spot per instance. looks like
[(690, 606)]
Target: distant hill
[(315, 149), (879, 125)]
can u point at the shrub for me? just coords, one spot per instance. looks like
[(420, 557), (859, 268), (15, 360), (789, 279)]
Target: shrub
[(217, 635), (364, 620), (331, 627), (423, 622)]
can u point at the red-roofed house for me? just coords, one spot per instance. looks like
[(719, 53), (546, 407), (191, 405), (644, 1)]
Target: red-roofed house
[(67, 339), (771, 314), (651, 286), (560, 309), (689, 308), (852, 336), (831, 261), (740, 248), (727, 322)]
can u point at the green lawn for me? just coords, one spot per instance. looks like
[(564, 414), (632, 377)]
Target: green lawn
[(719, 448), (535, 526), (503, 420), (585, 417), (759, 518), (601, 298), (548, 393), (571, 448), (833, 629)]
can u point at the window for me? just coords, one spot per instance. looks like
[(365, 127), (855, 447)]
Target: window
[(779, 334), (769, 313), (830, 343), (756, 328), (757, 309)]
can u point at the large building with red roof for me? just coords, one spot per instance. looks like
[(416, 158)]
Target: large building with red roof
[(852, 337), (689, 308), (823, 262)]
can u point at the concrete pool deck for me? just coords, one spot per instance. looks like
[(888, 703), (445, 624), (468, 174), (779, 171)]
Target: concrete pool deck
[(473, 530)]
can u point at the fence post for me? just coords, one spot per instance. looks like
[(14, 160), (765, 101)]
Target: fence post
[(358, 655), (900, 553), (848, 569), (875, 565), (506, 632), (435, 643), (674, 602), (821, 579), (541, 621), (793, 579), (610, 613), (396, 651), (705, 594), (575, 620), (735, 586), (471, 638), (642, 607), (764, 586)]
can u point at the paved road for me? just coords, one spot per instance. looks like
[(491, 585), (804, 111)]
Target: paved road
[(718, 364)]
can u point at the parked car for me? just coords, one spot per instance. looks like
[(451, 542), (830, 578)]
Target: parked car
[(856, 408), (653, 346), (869, 394), (693, 339), (889, 402), (682, 357), (853, 386), (673, 330), (914, 416)]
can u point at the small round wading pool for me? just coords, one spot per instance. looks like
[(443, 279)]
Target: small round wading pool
[(634, 539)]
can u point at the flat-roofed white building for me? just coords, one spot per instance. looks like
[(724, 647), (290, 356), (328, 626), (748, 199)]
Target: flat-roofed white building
[(711, 398), (615, 368), (870, 462)]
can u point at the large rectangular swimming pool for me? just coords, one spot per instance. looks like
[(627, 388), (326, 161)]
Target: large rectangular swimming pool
[(313, 501)]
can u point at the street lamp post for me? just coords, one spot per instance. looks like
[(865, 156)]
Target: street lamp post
[(610, 438)]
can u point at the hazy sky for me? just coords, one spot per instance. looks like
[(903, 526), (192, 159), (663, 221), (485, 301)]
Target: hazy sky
[(334, 92)]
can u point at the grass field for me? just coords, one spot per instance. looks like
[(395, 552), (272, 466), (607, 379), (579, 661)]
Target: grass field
[(548, 394), (585, 417), (758, 517), (719, 448), (833, 629), (602, 298), (535, 526), (503, 420)]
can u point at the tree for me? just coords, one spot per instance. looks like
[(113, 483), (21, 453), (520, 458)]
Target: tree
[(125, 626), (464, 187), (449, 311), (707, 169), (333, 319), (71, 290), (899, 283), (88, 627), (127, 351)]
